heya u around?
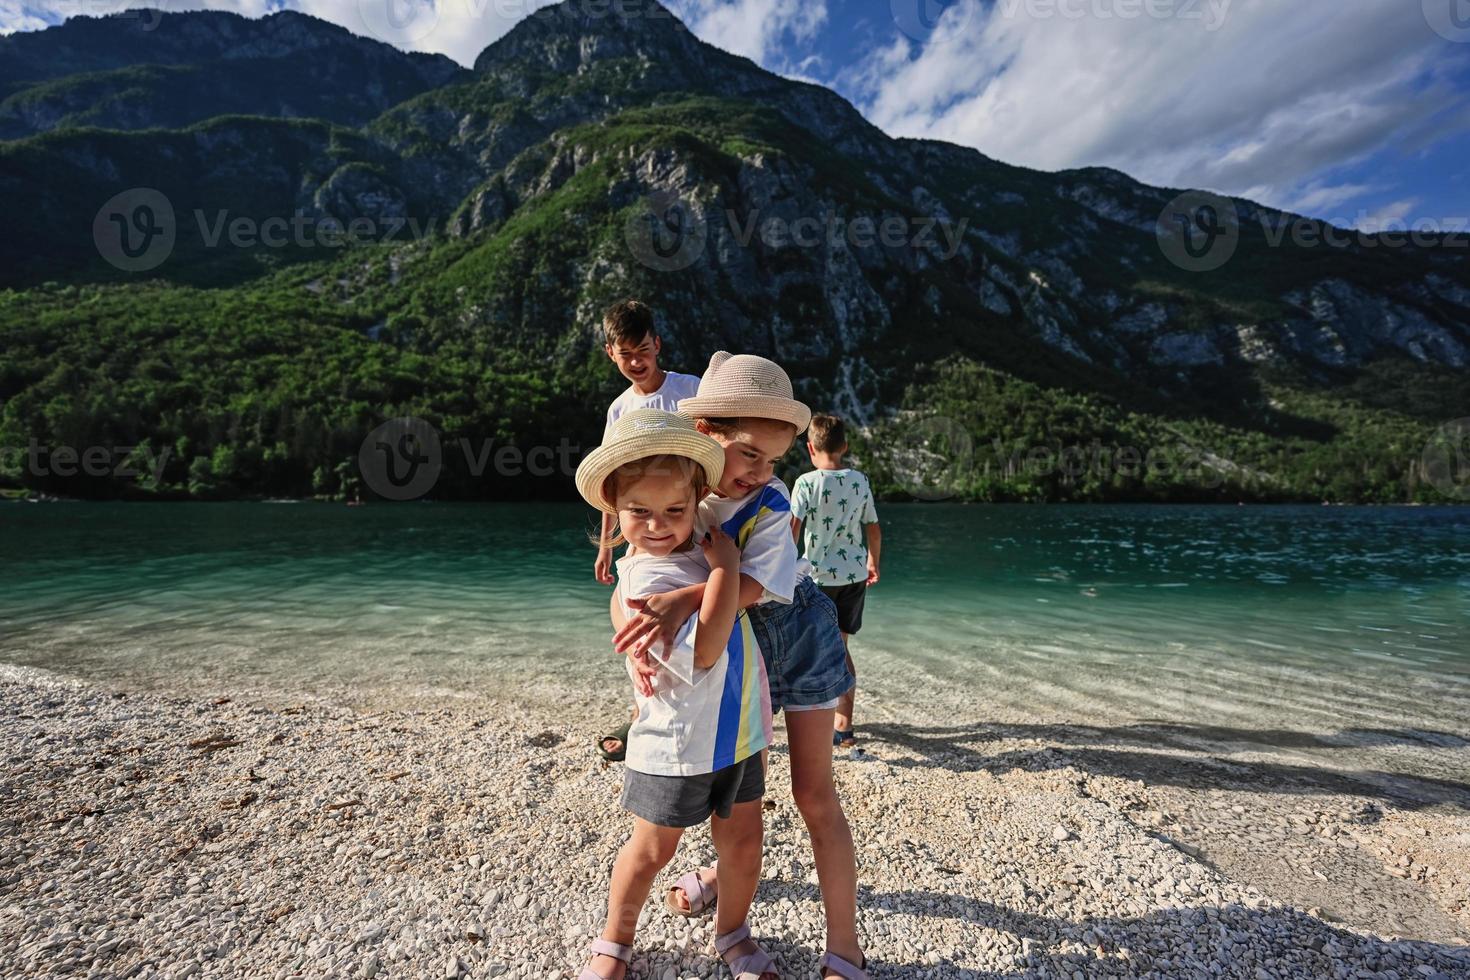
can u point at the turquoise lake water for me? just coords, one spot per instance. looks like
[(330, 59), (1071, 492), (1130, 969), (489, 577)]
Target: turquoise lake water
[(1319, 617)]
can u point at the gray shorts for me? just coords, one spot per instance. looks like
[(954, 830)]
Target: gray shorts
[(687, 801)]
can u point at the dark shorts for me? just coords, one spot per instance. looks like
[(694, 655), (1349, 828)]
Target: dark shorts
[(687, 801), (806, 661), (849, 602)]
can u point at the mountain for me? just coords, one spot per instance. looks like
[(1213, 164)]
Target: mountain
[(145, 69), (976, 318)]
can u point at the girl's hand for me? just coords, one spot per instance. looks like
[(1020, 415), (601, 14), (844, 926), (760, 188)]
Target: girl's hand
[(720, 550), (656, 618), (643, 671)]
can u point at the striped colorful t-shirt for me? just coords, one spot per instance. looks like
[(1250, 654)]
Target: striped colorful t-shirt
[(760, 525), (697, 721)]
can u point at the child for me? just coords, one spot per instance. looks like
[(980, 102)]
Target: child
[(842, 540), (631, 342), (703, 700), (746, 403)]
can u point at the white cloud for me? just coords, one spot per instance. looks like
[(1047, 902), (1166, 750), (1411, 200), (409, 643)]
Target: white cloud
[(1254, 96), (1317, 196), (460, 29), (1395, 216), (16, 16), (753, 28)]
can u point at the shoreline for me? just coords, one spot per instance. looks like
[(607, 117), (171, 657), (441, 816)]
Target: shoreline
[(222, 832)]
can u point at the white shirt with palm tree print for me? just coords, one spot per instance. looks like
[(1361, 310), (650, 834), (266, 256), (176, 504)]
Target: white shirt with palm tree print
[(833, 506)]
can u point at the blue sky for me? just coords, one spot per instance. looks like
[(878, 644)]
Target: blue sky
[(1356, 111)]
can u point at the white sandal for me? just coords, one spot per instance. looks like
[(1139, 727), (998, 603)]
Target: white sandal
[(605, 947)]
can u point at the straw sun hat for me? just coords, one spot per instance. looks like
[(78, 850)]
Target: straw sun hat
[(637, 435), (746, 386)]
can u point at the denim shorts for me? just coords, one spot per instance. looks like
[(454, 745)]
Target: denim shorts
[(806, 661), (687, 801)]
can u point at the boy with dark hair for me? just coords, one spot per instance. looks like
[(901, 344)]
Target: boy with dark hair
[(631, 341), (842, 540)]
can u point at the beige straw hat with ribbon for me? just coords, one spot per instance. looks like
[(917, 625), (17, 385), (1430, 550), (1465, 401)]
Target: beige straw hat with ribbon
[(746, 386), (637, 435)]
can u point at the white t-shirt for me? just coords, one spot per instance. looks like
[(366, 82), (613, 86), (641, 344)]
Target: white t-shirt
[(697, 721), (760, 525), (833, 506), (676, 388)]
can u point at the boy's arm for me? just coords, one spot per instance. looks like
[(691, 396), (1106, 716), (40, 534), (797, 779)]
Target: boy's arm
[(796, 530), (721, 602), (874, 533)]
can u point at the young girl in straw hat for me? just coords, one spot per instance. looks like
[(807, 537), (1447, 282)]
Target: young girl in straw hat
[(704, 714), (745, 403)]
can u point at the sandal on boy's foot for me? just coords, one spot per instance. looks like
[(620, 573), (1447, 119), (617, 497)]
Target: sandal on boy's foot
[(606, 947), (749, 966), (621, 736), (841, 967), (701, 897), (844, 740)]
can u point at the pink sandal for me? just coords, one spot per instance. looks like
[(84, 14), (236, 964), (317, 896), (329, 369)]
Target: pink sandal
[(701, 897), (751, 966), (840, 966), (606, 947)]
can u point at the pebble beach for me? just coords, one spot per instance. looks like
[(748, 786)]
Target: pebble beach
[(257, 834)]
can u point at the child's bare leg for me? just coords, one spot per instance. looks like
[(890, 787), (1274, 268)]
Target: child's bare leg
[(647, 852), (843, 720), (710, 875), (738, 842), (810, 737)]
